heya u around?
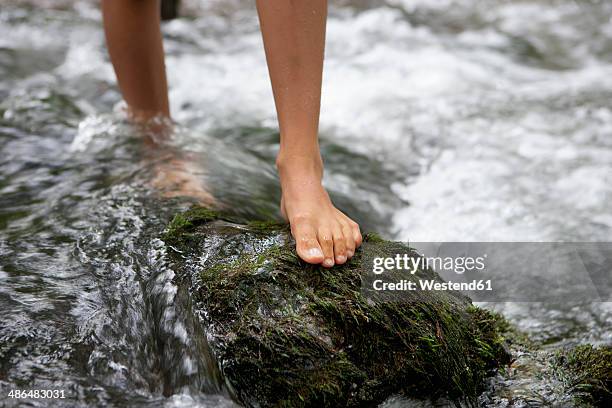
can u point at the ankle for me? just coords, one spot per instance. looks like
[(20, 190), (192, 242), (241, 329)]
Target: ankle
[(302, 166)]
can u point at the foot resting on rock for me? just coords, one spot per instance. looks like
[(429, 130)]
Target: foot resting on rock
[(323, 234)]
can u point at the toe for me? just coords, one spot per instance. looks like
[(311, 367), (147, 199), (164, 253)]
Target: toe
[(339, 245), (307, 244), (327, 245), (358, 239), (355, 231), (349, 240)]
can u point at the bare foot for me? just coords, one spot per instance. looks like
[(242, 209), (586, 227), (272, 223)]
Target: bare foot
[(175, 173), (323, 234), (179, 177)]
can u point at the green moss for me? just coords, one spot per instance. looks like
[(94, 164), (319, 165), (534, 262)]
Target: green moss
[(183, 224), (586, 372), (187, 221), (490, 339), (292, 334), (265, 226), (372, 237)]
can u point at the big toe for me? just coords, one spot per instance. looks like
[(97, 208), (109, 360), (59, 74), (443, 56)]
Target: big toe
[(307, 245)]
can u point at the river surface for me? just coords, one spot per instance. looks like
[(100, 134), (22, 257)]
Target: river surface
[(453, 120)]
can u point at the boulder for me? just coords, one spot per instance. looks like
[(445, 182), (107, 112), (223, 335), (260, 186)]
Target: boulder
[(286, 333)]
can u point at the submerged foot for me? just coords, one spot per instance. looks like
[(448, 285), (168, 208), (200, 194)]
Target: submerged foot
[(323, 234), (179, 177), (175, 173)]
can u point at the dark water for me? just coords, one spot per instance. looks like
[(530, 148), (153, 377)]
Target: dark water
[(459, 120)]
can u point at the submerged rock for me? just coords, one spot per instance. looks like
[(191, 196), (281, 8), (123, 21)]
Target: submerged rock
[(286, 333)]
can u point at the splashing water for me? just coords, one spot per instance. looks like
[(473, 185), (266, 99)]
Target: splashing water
[(450, 120)]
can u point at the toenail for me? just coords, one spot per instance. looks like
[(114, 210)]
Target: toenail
[(341, 258), (315, 252), (349, 254), (328, 262)]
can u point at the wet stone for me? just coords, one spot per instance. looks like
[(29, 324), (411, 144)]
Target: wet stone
[(286, 333)]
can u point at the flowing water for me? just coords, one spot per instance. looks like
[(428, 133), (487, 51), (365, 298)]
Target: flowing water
[(459, 120)]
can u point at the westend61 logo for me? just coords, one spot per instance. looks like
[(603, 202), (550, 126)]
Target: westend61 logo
[(412, 264)]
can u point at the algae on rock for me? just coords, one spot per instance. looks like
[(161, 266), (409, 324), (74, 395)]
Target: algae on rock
[(286, 333), (586, 372)]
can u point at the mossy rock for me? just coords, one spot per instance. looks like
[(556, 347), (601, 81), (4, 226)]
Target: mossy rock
[(286, 333), (586, 373)]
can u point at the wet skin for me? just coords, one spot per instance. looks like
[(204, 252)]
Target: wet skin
[(323, 234), (294, 40)]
